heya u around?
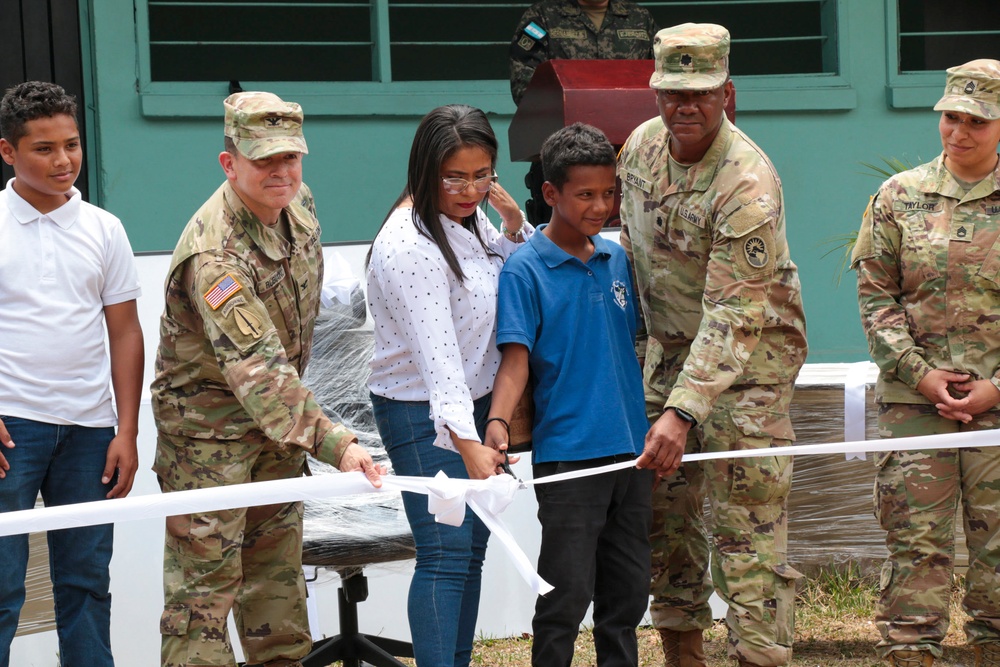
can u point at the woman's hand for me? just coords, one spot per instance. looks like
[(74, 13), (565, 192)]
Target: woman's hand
[(480, 461), (507, 207)]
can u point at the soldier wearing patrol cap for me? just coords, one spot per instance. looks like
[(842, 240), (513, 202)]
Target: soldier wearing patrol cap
[(242, 296), (928, 265), (703, 222)]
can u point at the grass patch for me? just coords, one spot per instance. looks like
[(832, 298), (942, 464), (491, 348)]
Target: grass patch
[(834, 626)]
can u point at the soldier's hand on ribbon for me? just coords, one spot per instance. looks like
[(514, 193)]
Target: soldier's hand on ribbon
[(357, 457), (6, 441), (665, 442)]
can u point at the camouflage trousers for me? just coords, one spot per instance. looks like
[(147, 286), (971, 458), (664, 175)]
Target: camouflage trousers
[(749, 540), (916, 499), (247, 560)]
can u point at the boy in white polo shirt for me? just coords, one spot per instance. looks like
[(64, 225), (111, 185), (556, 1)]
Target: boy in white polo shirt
[(66, 272)]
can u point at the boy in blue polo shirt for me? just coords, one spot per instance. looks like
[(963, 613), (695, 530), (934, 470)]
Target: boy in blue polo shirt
[(567, 311)]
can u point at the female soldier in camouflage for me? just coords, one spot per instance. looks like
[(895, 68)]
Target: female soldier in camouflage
[(928, 264)]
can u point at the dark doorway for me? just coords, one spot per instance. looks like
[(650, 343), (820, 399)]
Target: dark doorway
[(40, 40)]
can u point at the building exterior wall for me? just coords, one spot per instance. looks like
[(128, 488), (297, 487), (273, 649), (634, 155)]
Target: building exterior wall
[(155, 168)]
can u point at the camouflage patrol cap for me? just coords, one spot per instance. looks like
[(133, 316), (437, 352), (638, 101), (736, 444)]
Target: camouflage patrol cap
[(973, 88), (691, 56), (262, 124)]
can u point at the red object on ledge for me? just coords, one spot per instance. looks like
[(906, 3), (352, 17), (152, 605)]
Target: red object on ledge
[(612, 95)]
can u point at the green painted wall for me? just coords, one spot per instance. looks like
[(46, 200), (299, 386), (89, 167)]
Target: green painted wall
[(155, 171)]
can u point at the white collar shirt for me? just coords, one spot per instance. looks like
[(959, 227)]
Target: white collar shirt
[(58, 271), (435, 336)]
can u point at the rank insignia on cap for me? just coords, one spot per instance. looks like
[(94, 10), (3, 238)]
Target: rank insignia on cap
[(970, 87), (248, 323), (756, 251), (221, 291)]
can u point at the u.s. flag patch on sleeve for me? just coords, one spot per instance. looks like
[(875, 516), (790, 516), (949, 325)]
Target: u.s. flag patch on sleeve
[(221, 291)]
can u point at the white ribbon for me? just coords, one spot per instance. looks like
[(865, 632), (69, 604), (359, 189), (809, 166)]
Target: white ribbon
[(855, 384), (446, 497)]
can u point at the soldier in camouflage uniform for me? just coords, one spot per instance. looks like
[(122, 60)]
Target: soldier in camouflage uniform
[(928, 265), (565, 29), (574, 29), (703, 221), (242, 296)]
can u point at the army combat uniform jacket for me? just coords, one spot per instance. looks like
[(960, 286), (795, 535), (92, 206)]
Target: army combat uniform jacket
[(560, 29), (720, 293), (928, 264), (236, 332)]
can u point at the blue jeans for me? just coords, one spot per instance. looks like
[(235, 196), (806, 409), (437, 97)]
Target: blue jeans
[(65, 463), (444, 592)]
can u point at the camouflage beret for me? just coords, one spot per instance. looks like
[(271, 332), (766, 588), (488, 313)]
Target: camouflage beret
[(690, 56), (973, 88), (262, 124)]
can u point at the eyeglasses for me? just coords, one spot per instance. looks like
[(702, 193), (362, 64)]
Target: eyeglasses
[(456, 186)]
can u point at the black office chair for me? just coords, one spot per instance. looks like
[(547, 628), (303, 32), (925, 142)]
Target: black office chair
[(349, 554)]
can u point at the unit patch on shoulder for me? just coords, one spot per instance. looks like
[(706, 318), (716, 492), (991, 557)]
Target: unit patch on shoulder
[(526, 42), (221, 291), (534, 30), (755, 250), (248, 323)]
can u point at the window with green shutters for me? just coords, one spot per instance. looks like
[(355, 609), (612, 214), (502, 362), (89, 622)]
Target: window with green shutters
[(925, 38), (385, 57)]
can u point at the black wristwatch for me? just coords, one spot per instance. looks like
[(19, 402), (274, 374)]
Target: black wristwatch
[(685, 415)]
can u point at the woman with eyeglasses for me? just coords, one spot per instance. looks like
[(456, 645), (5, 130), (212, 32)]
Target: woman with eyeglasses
[(432, 291)]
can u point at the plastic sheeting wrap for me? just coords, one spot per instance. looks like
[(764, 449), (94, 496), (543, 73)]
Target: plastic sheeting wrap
[(831, 518), (361, 530), (831, 515)]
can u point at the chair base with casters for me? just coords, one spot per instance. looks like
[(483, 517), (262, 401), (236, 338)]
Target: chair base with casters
[(348, 554), (351, 646)]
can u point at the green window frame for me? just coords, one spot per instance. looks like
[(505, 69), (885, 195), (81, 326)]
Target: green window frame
[(916, 54), (829, 90), (383, 96)]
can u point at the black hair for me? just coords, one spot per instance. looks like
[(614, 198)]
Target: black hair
[(577, 145), (440, 134), (29, 101)]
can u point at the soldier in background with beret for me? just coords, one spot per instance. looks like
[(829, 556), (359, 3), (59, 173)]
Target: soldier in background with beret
[(928, 263), (703, 222), (242, 296)]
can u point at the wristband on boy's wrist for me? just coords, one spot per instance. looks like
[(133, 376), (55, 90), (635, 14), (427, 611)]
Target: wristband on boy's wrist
[(503, 421)]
